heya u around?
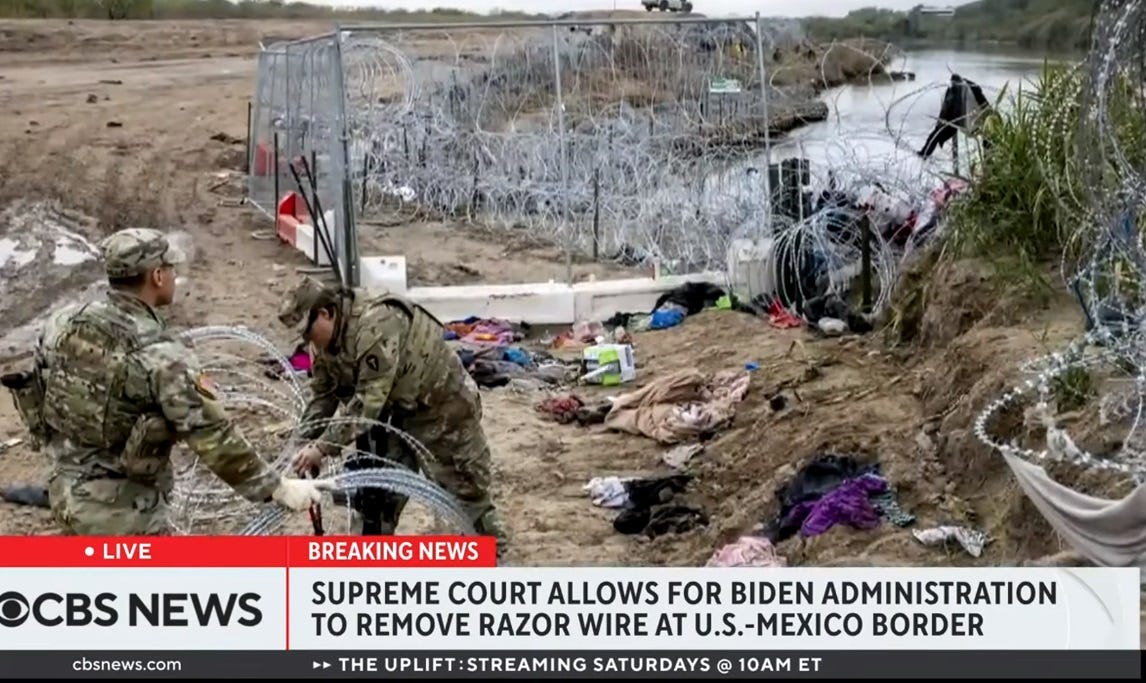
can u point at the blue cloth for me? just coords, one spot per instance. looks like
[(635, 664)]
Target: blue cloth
[(516, 355), (664, 318), (450, 335)]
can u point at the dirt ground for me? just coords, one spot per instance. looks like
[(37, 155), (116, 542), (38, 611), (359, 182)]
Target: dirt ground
[(118, 123)]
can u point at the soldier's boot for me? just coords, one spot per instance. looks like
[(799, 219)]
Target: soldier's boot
[(488, 523), (380, 510)]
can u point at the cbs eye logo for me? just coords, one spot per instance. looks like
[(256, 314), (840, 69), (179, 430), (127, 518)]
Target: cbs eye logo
[(14, 609)]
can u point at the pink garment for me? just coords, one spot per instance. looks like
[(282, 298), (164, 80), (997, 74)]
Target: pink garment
[(491, 332), (300, 361), (747, 551)]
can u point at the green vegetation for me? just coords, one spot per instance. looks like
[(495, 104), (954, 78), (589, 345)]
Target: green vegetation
[(1032, 185), (214, 9), (1052, 25)]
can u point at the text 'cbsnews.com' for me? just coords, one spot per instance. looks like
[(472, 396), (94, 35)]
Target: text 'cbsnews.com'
[(439, 607)]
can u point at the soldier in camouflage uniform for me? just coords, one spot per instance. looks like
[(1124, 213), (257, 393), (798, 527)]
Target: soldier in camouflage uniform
[(384, 358), (112, 391)]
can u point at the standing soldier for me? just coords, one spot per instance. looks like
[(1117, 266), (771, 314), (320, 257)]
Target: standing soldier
[(113, 390), (384, 358)]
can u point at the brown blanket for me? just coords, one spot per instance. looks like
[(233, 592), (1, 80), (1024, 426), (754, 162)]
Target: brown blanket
[(680, 406)]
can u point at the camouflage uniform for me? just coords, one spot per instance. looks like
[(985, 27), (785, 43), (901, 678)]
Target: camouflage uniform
[(118, 390), (388, 358)]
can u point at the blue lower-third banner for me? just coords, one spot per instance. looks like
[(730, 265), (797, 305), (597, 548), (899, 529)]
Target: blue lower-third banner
[(556, 664)]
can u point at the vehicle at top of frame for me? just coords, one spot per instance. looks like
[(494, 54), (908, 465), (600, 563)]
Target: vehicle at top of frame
[(668, 5)]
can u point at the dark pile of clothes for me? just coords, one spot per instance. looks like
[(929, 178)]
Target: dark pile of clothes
[(671, 308), (494, 366), (647, 505), (834, 489), (651, 511)]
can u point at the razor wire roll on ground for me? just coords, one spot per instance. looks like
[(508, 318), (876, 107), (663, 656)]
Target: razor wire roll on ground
[(255, 380), (1104, 193)]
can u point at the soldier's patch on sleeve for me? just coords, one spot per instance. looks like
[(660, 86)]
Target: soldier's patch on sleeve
[(372, 362), (206, 386)]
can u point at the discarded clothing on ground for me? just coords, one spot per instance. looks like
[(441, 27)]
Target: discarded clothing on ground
[(563, 409), (649, 492), (494, 373), (666, 316), (33, 496), (1109, 533), (831, 306), (299, 361), (489, 367), (692, 297), (647, 503), (680, 406), (580, 334), (514, 354), (887, 505), (608, 492), (747, 551), (658, 521), (826, 491), (615, 492), (679, 457), (847, 504), (781, 317), (671, 308), (475, 330), (568, 408), (972, 540)]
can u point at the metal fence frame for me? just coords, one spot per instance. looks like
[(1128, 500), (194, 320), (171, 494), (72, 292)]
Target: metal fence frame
[(287, 124), (299, 113)]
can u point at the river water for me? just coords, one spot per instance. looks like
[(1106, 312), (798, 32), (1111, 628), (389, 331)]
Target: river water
[(873, 131), (879, 127)]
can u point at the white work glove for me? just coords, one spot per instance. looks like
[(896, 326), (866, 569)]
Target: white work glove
[(297, 494)]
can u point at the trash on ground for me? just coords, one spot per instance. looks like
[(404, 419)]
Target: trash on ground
[(648, 506), (32, 496), (563, 409), (832, 327), (971, 540), (748, 551), (679, 457), (672, 307), (680, 406), (474, 330), (834, 489), (608, 364), (666, 519), (614, 492)]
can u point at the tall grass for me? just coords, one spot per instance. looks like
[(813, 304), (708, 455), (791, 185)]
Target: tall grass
[(1025, 203), (1034, 188)]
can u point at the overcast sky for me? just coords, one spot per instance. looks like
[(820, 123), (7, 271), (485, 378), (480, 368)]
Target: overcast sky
[(801, 8)]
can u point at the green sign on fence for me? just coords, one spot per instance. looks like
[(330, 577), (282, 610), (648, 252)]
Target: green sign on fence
[(724, 85)]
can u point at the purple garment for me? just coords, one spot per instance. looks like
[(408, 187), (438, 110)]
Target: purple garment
[(846, 504), (495, 332)]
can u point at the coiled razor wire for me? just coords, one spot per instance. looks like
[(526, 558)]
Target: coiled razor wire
[(1102, 193), (468, 124), (607, 139), (201, 501)]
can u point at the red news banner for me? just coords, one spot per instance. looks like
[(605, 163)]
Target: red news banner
[(186, 592)]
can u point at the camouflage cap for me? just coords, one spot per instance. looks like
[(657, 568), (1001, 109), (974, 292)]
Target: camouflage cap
[(298, 302), (135, 251)]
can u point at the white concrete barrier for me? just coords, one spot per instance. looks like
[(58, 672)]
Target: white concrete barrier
[(537, 303)]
